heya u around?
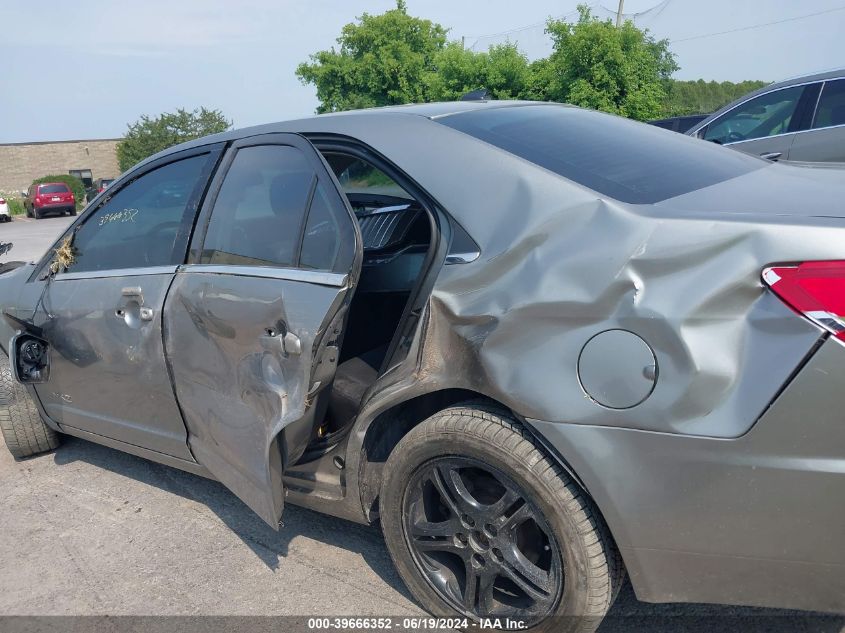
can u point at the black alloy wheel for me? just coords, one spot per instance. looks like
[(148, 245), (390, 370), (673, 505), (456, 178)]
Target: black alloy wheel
[(480, 542)]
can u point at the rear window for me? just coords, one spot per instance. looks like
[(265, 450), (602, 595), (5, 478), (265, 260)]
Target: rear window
[(616, 157), (53, 189)]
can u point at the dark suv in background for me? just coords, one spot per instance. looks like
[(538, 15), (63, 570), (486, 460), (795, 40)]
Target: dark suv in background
[(97, 187), (49, 197), (800, 119)]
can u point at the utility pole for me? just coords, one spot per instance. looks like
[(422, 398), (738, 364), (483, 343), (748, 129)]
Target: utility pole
[(619, 14)]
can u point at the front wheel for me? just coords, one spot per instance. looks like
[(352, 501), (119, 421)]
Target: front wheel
[(481, 523), (23, 429)]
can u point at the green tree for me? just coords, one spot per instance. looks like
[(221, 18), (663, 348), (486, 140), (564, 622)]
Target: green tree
[(503, 70), (149, 136), (596, 65), (703, 97), (381, 60)]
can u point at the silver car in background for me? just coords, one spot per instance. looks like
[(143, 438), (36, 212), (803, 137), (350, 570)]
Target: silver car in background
[(800, 119)]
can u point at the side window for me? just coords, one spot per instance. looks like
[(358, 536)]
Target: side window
[(831, 108), (329, 239), (359, 177), (257, 217), (139, 225), (766, 115)]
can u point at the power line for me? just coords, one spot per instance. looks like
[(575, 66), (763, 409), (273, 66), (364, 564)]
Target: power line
[(596, 5), (520, 29), (659, 8), (758, 26), (633, 16)]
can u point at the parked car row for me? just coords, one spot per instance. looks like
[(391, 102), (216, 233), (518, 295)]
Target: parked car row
[(52, 198)]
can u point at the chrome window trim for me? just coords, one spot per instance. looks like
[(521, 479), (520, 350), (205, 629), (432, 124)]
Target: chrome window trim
[(116, 272), (813, 129), (744, 101), (462, 258), (322, 278)]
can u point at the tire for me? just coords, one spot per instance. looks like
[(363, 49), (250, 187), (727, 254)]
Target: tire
[(37, 214), (581, 570), (23, 430), (72, 212)]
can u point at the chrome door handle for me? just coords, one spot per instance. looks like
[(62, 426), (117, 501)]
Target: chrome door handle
[(773, 156), (288, 343), (291, 344)]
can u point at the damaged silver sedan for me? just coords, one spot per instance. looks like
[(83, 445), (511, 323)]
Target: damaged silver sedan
[(542, 346)]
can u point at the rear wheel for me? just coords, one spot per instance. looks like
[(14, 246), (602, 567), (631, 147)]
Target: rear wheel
[(23, 430), (37, 214), (481, 522)]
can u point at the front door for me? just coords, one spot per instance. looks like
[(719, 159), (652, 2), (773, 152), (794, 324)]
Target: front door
[(101, 314), (763, 126), (253, 322)]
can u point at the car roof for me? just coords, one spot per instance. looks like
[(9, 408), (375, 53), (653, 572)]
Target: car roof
[(46, 184), (785, 83), (835, 73), (417, 110)]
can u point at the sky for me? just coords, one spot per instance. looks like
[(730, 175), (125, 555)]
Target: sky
[(84, 69)]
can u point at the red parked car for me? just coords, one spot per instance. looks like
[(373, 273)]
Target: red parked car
[(49, 197)]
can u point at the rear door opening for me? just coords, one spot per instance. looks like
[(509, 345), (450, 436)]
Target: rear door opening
[(396, 231)]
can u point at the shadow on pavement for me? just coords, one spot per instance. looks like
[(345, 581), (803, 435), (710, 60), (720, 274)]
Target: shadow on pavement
[(627, 614), (267, 544)]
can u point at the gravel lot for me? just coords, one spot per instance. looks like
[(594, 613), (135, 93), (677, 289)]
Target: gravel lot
[(91, 531)]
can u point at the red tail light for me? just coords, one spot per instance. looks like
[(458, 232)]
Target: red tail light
[(815, 289)]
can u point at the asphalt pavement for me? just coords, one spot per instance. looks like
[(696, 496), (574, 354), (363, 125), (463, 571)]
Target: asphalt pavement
[(87, 530), (31, 238)]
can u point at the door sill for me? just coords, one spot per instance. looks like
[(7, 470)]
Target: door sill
[(138, 451)]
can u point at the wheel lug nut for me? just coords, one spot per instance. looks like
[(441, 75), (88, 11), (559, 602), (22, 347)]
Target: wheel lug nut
[(497, 554), (490, 530), (467, 520), (477, 561)]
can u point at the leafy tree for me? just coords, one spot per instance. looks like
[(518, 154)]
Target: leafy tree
[(503, 70), (149, 136), (382, 60), (596, 65), (703, 97)]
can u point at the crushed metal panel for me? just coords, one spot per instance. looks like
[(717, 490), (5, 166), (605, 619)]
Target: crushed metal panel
[(237, 390)]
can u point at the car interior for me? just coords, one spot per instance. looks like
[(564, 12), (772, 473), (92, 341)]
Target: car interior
[(396, 232)]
